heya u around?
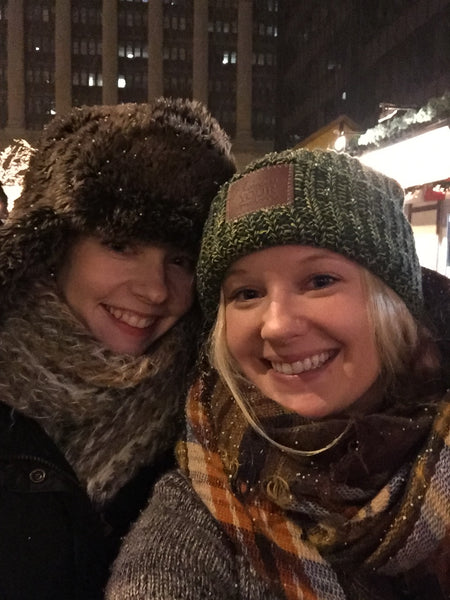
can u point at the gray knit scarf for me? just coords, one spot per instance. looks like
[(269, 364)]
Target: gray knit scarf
[(109, 414)]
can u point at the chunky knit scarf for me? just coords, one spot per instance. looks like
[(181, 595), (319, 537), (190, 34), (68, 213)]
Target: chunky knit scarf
[(322, 528), (109, 414)]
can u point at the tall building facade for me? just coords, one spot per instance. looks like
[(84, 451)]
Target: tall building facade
[(55, 54), (347, 57)]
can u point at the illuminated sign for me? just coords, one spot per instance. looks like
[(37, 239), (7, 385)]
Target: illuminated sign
[(418, 160)]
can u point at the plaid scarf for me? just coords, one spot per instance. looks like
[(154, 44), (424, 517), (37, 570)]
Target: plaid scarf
[(322, 528)]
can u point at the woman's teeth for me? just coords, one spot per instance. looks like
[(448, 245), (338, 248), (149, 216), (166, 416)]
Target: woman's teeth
[(130, 318), (300, 366)]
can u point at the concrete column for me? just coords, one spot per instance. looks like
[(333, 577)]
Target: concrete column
[(109, 52), (200, 52), (16, 68), (155, 49), (63, 56), (244, 71)]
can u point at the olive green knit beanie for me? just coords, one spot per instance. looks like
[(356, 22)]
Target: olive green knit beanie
[(317, 198)]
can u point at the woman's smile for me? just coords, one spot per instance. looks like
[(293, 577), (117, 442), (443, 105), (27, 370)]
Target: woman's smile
[(311, 363), (130, 317)]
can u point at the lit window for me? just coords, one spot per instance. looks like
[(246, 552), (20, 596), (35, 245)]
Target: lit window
[(225, 58), (121, 82)]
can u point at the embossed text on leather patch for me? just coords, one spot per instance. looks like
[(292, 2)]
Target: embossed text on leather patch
[(265, 188)]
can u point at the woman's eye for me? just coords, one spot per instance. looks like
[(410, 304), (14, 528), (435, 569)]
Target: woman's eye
[(245, 294), (184, 261), (321, 280), (118, 247)]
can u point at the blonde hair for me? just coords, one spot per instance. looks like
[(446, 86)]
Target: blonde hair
[(398, 339), (395, 330)]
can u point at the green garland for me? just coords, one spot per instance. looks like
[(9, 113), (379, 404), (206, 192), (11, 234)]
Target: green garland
[(401, 127)]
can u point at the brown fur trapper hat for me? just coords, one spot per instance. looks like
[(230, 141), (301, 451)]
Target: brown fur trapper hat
[(130, 172)]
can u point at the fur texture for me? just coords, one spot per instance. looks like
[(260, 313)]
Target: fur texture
[(141, 172)]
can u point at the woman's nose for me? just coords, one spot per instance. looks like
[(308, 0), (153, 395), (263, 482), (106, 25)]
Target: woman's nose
[(283, 319), (152, 286)]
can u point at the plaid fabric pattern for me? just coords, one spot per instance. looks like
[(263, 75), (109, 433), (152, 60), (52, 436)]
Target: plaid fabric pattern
[(413, 507)]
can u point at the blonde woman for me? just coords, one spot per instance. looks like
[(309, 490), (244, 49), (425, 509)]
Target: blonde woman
[(316, 460)]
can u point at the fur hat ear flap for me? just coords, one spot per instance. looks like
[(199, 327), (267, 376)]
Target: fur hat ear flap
[(32, 246)]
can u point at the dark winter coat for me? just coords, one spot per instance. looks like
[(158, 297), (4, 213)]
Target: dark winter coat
[(54, 548)]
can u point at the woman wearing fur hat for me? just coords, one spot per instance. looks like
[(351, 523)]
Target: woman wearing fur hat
[(98, 328), (316, 457)]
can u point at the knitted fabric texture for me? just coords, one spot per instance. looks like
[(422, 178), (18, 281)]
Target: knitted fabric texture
[(301, 542), (317, 198), (109, 414), (131, 172)]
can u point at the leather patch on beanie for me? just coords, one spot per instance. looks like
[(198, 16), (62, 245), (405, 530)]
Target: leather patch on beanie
[(264, 188)]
